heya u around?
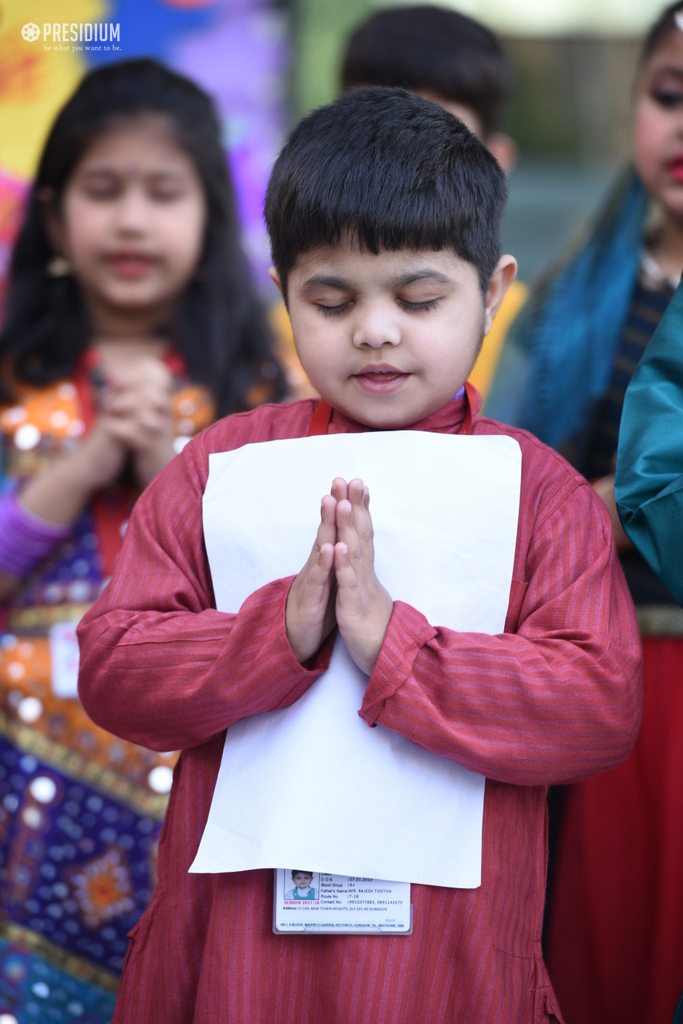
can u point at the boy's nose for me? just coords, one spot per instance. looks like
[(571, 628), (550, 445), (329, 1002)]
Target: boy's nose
[(375, 333)]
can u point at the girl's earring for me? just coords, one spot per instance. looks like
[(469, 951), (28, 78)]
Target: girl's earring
[(58, 266)]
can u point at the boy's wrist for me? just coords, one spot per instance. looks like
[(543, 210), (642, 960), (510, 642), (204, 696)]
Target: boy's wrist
[(364, 640), (407, 633)]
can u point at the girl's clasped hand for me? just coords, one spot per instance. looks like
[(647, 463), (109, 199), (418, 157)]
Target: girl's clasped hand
[(338, 585), (134, 421)]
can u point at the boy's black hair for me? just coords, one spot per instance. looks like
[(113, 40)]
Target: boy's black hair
[(219, 327), (300, 871), (431, 48), (390, 170)]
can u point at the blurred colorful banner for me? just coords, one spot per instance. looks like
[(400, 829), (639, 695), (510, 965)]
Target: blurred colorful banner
[(235, 49)]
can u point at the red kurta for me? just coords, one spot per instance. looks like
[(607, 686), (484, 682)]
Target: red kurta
[(555, 698)]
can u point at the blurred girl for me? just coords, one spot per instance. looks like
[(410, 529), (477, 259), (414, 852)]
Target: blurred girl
[(615, 935), (130, 322)]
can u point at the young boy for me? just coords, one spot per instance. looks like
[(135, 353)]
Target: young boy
[(302, 888), (384, 215), (458, 63)]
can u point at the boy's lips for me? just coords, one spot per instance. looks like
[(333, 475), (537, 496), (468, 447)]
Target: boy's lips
[(382, 379), (130, 265)]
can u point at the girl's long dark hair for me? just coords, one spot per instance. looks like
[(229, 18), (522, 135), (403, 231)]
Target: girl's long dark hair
[(220, 328)]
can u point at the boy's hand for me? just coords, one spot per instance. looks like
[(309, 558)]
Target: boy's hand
[(309, 616), (363, 607)]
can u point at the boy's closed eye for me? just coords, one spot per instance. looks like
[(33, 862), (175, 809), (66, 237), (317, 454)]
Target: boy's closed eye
[(405, 304), (335, 310), (417, 304), (330, 296), (330, 307)]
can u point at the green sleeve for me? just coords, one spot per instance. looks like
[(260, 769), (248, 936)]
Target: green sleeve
[(649, 479)]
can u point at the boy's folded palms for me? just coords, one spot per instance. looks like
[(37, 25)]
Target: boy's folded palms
[(338, 585)]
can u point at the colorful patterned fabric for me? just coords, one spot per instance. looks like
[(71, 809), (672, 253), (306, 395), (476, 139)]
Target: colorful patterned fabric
[(35, 991), (80, 811)]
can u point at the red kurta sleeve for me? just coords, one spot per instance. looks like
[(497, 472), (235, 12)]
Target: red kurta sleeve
[(159, 665), (555, 699)]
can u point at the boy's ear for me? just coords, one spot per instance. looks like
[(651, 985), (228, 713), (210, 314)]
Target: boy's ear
[(274, 277), (501, 279), (505, 150)]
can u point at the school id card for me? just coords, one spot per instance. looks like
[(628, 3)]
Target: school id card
[(318, 903), (64, 659)]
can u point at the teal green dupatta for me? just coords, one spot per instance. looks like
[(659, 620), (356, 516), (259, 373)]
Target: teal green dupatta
[(649, 481)]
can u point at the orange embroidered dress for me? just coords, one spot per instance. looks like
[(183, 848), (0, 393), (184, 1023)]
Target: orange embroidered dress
[(80, 810)]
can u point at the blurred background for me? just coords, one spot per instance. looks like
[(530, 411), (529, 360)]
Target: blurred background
[(266, 62)]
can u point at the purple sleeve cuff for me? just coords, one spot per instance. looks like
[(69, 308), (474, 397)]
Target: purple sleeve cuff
[(24, 538)]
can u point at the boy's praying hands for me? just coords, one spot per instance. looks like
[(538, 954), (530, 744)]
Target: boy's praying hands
[(338, 585)]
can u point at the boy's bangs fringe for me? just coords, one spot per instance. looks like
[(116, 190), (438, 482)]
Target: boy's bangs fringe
[(368, 236), (387, 222)]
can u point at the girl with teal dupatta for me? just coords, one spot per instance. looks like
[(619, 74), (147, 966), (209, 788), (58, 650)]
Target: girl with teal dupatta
[(559, 352), (614, 927)]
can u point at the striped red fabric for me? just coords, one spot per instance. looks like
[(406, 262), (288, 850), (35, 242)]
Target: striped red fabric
[(555, 698)]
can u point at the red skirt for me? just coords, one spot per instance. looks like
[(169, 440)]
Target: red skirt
[(615, 935)]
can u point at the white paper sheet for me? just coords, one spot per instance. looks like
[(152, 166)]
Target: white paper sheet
[(313, 784)]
